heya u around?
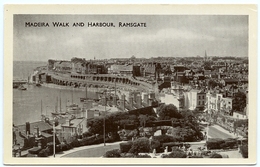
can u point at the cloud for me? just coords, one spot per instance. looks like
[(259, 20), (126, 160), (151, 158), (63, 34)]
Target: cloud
[(76, 41), (168, 34), (34, 38)]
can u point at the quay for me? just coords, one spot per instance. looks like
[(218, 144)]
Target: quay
[(19, 82), (93, 81)]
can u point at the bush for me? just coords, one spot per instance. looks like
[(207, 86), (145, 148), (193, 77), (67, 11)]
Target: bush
[(140, 145), (176, 154), (143, 156), (125, 147), (75, 143), (113, 138), (171, 144), (164, 138), (244, 151), (217, 143), (112, 154), (155, 144), (128, 155), (215, 155), (63, 147), (87, 134), (195, 156), (43, 153)]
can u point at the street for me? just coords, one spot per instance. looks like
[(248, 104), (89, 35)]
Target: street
[(218, 132), (92, 152), (215, 131)]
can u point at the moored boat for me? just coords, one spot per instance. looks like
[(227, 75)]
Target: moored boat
[(38, 84), (21, 87)]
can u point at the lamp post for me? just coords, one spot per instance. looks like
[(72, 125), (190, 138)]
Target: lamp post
[(104, 133), (104, 120), (54, 139)]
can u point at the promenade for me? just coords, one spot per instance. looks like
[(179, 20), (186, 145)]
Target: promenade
[(97, 150)]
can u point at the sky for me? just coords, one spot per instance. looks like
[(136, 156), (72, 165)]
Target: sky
[(163, 36)]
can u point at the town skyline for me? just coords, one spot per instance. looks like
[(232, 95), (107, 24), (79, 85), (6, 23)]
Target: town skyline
[(163, 36)]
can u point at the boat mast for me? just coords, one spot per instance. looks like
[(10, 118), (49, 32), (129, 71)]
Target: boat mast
[(115, 87), (60, 103), (56, 105), (72, 96), (86, 91), (41, 107)]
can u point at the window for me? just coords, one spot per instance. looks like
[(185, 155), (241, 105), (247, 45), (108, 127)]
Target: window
[(202, 97), (202, 102), (199, 97)]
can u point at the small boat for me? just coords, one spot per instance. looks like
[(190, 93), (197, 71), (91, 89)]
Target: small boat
[(21, 87), (38, 84), (82, 99)]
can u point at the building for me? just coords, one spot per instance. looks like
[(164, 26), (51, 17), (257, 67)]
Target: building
[(121, 69), (78, 65), (62, 66), (194, 99), (169, 98), (218, 102), (238, 115), (72, 128)]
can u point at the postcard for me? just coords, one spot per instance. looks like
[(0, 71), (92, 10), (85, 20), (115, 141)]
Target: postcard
[(118, 84)]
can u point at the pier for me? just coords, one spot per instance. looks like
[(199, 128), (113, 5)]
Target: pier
[(19, 81), (104, 80)]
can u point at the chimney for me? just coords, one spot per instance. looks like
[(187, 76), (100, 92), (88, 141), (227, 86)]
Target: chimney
[(130, 100), (139, 101), (27, 128), (122, 102), (114, 100), (103, 101), (146, 100), (89, 104), (37, 131), (150, 102), (135, 95), (152, 95)]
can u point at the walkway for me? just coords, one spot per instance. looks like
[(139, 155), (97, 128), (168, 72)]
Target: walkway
[(97, 150), (217, 131)]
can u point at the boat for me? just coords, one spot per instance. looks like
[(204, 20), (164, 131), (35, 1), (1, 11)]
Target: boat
[(21, 87), (38, 84)]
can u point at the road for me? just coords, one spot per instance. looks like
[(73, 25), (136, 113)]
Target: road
[(218, 132), (99, 150), (92, 152)]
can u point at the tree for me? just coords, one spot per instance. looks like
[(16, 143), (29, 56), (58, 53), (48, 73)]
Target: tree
[(166, 112), (207, 65), (244, 151), (215, 155), (239, 102), (143, 119), (140, 145), (176, 153), (112, 154), (167, 70), (213, 84)]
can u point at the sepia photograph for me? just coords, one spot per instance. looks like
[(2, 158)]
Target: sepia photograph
[(99, 84)]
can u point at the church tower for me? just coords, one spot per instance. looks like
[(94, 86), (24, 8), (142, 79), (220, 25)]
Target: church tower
[(206, 57)]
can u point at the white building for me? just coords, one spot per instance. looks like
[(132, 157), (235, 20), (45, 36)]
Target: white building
[(194, 99), (170, 99)]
